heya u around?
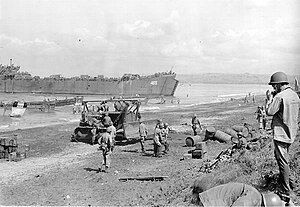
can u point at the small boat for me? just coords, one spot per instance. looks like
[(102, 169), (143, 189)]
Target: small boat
[(18, 109)]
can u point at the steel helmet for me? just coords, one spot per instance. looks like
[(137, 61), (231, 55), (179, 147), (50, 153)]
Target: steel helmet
[(108, 129), (166, 125), (272, 199), (278, 77), (161, 125)]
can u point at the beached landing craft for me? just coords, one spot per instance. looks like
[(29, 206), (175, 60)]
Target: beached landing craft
[(130, 85), (18, 108)]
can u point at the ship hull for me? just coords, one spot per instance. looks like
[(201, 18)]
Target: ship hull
[(154, 86)]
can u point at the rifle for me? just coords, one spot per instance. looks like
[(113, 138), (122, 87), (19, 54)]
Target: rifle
[(217, 159)]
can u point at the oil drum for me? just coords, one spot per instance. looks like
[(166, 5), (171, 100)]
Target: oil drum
[(231, 132), (210, 132), (222, 136), (192, 140)]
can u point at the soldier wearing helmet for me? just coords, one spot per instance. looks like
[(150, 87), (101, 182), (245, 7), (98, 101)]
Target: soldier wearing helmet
[(233, 194), (106, 120), (283, 104), (196, 124), (106, 143)]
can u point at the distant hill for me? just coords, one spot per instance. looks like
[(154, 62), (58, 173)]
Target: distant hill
[(225, 78)]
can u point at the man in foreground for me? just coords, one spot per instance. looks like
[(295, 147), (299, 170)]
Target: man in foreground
[(236, 194), (106, 144), (283, 104)]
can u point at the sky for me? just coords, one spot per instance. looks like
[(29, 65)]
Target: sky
[(113, 37)]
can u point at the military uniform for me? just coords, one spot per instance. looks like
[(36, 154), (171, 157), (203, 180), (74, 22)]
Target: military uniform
[(113, 134), (143, 131), (284, 108), (164, 139), (106, 143), (156, 143), (106, 121), (231, 194), (195, 124)]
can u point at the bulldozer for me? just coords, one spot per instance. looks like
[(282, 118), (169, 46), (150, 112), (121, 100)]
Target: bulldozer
[(124, 115)]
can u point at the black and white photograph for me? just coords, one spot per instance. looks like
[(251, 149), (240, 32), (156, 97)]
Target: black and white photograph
[(149, 103)]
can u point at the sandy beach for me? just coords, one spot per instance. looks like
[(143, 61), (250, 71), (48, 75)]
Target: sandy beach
[(59, 172)]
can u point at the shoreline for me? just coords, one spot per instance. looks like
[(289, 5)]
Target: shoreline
[(167, 109)]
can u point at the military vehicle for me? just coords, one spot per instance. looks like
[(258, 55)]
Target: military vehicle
[(124, 115)]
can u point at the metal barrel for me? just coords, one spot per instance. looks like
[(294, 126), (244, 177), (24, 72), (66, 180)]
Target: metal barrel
[(192, 140), (222, 136), (231, 132), (210, 132), (242, 129)]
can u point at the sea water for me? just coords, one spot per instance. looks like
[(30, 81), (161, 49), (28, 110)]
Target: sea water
[(186, 95)]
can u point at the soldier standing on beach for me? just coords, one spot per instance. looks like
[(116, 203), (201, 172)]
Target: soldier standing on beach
[(195, 124), (113, 134), (143, 131), (157, 141), (106, 144), (283, 104), (260, 116), (165, 133)]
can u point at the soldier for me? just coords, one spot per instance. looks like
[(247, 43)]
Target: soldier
[(106, 120), (165, 133), (105, 106), (242, 142), (158, 122), (234, 194), (196, 124), (259, 117), (105, 142), (113, 134), (143, 131), (157, 141), (264, 117), (283, 104)]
